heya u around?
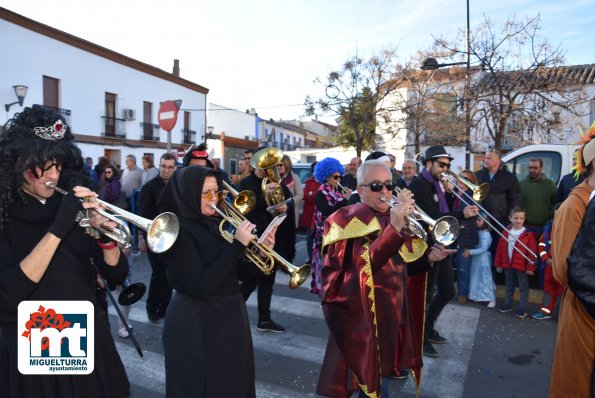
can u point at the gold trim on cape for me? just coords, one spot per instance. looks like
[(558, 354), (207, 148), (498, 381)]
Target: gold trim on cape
[(356, 228)]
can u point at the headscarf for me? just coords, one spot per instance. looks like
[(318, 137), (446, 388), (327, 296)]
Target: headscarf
[(185, 187)]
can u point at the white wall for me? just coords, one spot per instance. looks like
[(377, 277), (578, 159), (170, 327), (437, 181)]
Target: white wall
[(234, 123), (84, 79)]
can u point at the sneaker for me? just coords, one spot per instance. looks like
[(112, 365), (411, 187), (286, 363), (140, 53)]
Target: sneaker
[(540, 315), (270, 326), (492, 304), (505, 308), (122, 332), (520, 313), (434, 337), (429, 350), (403, 374)]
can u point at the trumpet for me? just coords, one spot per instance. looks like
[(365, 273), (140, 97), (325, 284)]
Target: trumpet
[(343, 190), (243, 201), (479, 192), (162, 231), (261, 255), (444, 231)]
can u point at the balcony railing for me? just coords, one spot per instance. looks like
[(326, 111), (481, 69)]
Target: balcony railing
[(114, 127), (61, 111), (150, 132), (189, 136)]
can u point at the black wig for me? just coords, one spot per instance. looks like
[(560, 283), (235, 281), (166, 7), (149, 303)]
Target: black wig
[(22, 147)]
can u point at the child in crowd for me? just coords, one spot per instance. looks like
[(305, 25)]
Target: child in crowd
[(516, 267), (481, 283), (552, 290)]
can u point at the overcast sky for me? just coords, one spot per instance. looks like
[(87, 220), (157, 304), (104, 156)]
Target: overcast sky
[(265, 54)]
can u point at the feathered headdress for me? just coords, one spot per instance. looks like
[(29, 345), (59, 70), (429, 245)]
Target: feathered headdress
[(580, 167)]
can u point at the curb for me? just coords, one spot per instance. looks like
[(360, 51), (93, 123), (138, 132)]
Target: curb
[(535, 296)]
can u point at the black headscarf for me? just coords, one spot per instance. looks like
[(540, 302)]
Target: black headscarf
[(185, 189)]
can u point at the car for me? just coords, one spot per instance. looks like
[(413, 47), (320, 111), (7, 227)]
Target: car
[(302, 170), (556, 158)]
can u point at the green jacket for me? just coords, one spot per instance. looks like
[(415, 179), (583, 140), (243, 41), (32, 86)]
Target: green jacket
[(538, 196)]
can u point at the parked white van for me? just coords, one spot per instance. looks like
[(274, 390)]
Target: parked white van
[(557, 160)]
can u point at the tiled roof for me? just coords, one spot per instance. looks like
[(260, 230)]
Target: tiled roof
[(570, 75)]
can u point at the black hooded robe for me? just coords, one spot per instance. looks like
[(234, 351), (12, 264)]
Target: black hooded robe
[(206, 335)]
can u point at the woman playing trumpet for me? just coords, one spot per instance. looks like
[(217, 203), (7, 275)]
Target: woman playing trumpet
[(206, 335), (45, 256), (329, 198)]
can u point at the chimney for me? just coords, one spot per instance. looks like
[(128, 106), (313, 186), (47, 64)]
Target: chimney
[(176, 71)]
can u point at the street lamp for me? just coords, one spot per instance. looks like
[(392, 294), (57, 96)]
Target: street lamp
[(432, 64), (209, 133), (20, 91)]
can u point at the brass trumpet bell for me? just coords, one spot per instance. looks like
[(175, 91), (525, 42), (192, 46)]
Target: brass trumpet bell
[(479, 192), (267, 159), (243, 201)]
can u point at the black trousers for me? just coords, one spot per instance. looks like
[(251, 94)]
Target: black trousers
[(265, 292), (440, 281), (159, 289)]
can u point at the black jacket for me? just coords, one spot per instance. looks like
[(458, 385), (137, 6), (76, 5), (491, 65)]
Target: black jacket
[(285, 236), (426, 198), (505, 193)]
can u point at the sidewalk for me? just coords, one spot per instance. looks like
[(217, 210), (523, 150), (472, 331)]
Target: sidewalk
[(535, 295)]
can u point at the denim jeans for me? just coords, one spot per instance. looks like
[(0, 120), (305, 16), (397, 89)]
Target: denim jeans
[(463, 272), (383, 389), (514, 277)]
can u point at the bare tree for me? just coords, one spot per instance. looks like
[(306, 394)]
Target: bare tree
[(424, 106), (353, 94), (522, 90)]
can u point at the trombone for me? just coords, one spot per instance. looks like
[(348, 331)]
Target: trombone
[(479, 191), (162, 231), (266, 263), (444, 231)]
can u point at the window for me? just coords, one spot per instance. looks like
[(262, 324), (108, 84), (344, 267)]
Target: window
[(51, 88), (147, 118), (110, 114), (552, 164), (233, 166)]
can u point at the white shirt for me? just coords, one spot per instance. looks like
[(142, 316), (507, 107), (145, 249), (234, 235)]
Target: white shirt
[(513, 235)]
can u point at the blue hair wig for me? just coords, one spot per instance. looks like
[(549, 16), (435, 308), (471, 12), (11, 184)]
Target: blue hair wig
[(326, 168)]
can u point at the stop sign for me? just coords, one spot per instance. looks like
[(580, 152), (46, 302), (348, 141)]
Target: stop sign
[(181, 153), (168, 115)]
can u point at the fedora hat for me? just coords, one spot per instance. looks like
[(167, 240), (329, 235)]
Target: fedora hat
[(435, 152)]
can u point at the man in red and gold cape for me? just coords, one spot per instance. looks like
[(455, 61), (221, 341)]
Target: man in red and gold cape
[(374, 311)]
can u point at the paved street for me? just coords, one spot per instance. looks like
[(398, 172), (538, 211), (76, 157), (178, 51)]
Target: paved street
[(489, 354)]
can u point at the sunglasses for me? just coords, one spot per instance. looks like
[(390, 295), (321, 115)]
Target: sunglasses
[(210, 195), (442, 164), (336, 176), (376, 186)]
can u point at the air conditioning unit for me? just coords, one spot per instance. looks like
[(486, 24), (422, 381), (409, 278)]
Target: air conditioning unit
[(129, 114)]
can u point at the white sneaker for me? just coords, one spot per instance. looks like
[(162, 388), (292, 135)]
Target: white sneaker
[(122, 332), (492, 304)]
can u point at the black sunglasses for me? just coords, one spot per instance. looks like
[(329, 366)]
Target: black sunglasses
[(376, 186), (442, 164), (336, 177)]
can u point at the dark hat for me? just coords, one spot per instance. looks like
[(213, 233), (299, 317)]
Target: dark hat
[(435, 152), (375, 155), (197, 153)]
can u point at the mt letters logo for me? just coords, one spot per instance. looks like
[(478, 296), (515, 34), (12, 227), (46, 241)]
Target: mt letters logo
[(56, 337)]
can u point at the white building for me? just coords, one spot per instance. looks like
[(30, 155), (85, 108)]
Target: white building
[(111, 101)]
